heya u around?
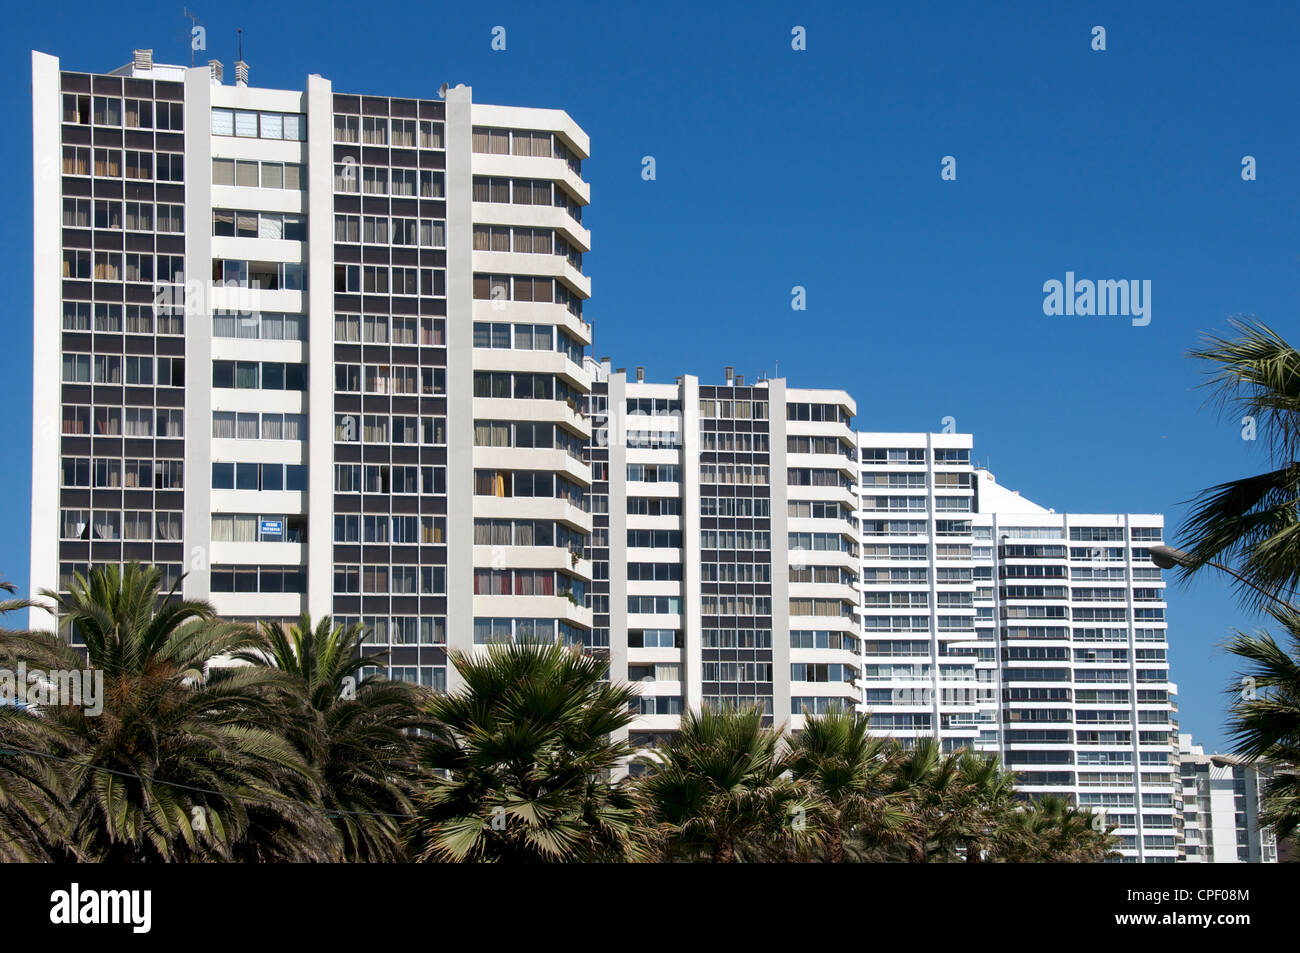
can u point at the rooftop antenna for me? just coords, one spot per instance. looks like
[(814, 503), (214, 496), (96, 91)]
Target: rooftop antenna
[(240, 34), (194, 21)]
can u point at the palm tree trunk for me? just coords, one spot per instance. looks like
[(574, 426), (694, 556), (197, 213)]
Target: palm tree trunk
[(835, 846)]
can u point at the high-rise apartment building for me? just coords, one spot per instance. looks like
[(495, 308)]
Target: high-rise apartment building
[(313, 350), (1221, 796), (724, 547), (991, 622)]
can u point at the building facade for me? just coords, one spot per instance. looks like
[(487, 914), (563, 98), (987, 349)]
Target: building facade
[(724, 548), (1220, 798), (991, 622), (291, 327)]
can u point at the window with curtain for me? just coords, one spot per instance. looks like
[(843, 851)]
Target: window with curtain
[(137, 524), (107, 525), (222, 425), (246, 426), (108, 162), (345, 128), (374, 131), (270, 225), (168, 526), (347, 327), (74, 524), (272, 126), (431, 135)]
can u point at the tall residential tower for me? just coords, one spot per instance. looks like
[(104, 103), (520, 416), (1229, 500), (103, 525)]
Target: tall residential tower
[(306, 348)]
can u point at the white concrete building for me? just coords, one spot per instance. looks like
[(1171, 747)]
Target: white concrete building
[(1221, 796), (315, 351), (992, 622), (723, 544)]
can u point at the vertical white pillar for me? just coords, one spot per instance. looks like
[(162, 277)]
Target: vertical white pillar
[(692, 636), (320, 347), (198, 334), (460, 377), (47, 426), (780, 522)]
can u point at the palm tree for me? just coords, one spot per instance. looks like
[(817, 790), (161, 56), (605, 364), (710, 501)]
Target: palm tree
[(1049, 829), (32, 787), (717, 790), (844, 769), (986, 801), (185, 761), (1264, 718), (521, 761), (359, 735), (930, 785), (1254, 521)]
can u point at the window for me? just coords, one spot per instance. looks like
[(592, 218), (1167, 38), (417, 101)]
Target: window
[(139, 114), (347, 228), (76, 420), (253, 125), (170, 167), (76, 109), (76, 213), (347, 128), (76, 160), (269, 326), (139, 165), (246, 174), (108, 111), (374, 131), (431, 135)]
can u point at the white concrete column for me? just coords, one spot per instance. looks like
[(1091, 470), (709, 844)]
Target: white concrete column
[(692, 635), (47, 324), (780, 522), (460, 377), (320, 346), (198, 333), (617, 408)]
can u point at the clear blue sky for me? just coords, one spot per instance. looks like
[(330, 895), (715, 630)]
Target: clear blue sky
[(821, 168)]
